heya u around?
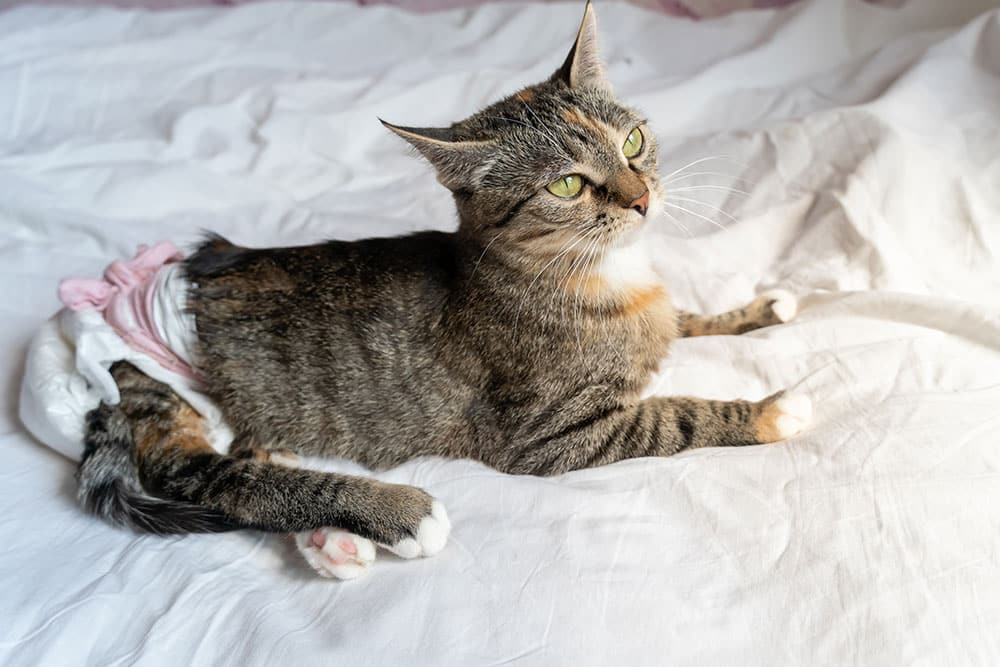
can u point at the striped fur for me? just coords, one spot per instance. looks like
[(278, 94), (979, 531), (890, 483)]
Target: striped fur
[(522, 340)]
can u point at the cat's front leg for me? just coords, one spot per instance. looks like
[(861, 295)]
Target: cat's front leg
[(340, 554), (770, 308), (331, 552)]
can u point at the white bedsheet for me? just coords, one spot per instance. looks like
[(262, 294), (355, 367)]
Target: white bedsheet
[(869, 143)]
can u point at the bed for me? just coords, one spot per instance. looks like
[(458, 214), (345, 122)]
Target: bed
[(845, 151)]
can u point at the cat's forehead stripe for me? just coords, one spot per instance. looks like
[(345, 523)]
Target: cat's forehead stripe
[(595, 127)]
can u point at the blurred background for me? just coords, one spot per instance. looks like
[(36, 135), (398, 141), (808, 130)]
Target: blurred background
[(695, 9)]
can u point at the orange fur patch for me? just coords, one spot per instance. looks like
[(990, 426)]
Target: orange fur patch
[(643, 300), (585, 285), (587, 123), (525, 95), (188, 432), (281, 457), (185, 433), (765, 426)]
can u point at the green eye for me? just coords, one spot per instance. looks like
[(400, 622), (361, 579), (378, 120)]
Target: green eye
[(633, 144), (567, 186)]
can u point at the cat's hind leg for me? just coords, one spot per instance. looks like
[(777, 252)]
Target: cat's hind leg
[(148, 465), (335, 553), (598, 433), (770, 308)]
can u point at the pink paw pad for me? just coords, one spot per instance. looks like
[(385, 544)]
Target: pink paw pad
[(336, 553), (318, 539)]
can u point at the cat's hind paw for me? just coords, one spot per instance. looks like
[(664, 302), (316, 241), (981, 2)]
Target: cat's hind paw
[(335, 553), (782, 304), (782, 417)]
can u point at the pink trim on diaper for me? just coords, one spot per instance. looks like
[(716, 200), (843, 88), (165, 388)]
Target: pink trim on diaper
[(125, 296)]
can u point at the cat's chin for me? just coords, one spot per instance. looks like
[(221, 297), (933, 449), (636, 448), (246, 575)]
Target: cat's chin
[(634, 234)]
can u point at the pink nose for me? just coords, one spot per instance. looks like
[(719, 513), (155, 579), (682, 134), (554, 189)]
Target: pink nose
[(640, 203)]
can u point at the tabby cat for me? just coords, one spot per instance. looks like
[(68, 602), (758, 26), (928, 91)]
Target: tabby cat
[(521, 340)]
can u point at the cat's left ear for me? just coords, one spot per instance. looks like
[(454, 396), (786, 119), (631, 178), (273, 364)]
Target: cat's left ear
[(459, 164), (583, 68)]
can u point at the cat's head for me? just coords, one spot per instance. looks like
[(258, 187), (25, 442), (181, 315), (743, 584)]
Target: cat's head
[(561, 161)]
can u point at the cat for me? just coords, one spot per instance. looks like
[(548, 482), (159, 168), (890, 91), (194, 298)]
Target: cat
[(521, 340)]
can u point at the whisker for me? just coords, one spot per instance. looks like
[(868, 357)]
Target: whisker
[(677, 223), (575, 241), (563, 287), (710, 173), (546, 131), (699, 215), (476, 267), (706, 204), (689, 188), (615, 348), (511, 120), (578, 304), (578, 260), (691, 164)]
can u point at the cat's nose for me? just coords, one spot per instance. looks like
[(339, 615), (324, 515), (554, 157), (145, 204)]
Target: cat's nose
[(640, 203)]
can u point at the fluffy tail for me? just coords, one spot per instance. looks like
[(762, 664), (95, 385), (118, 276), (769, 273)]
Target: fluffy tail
[(109, 486)]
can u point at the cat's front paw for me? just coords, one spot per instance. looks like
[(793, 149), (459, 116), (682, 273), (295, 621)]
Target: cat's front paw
[(782, 416), (429, 538), (402, 519), (777, 306), (335, 553)]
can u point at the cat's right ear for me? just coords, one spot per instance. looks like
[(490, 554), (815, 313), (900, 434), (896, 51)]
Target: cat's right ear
[(460, 165)]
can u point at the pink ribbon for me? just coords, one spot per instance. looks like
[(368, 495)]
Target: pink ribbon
[(125, 297), (87, 293)]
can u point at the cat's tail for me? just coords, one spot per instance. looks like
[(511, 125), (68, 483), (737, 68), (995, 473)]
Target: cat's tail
[(108, 484)]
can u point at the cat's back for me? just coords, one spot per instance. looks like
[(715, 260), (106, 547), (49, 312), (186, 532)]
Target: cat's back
[(331, 302), (328, 271), (321, 336)]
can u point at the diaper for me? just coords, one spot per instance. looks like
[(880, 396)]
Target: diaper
[(136, 313)]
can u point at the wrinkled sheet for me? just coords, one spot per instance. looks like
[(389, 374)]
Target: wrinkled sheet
[(867, 143)]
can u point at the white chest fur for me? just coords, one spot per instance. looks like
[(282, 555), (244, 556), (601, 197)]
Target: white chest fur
[(628, 266)]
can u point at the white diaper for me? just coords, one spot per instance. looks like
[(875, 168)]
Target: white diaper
[(67, 376)]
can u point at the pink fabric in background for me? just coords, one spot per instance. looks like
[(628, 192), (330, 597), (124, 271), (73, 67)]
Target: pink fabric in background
[(694, 9)]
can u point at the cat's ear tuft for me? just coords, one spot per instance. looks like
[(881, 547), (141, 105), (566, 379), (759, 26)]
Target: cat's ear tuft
[(583, 68), (460, 165)]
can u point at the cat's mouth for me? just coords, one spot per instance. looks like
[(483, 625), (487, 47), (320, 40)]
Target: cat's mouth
[(631, 221)]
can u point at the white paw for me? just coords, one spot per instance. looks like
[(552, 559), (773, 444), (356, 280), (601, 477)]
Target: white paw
[(335, 553), (795, 413), (432, 534), (784, 304)]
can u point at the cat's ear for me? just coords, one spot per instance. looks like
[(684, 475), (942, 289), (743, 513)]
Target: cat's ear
[(460, 165), (583, 68)]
